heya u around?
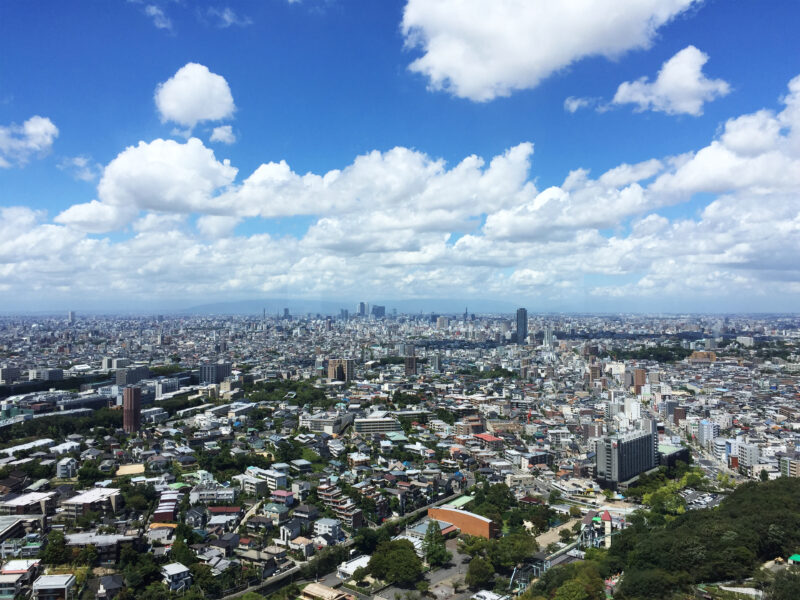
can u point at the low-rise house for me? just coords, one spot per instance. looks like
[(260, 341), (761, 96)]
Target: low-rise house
[(177, 576), (54, 587)]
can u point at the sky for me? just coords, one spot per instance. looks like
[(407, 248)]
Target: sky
[(576, 156)]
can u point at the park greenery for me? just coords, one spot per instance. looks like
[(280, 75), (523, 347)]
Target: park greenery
[(662, 555), (663, 354)]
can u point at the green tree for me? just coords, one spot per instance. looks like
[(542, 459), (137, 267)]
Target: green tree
[(785, 585), (571, 590), (55, 552), (360, 574), (433, 546), (479, 573), (396, 562)]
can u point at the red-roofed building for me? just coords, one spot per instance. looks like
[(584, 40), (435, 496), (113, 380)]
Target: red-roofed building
[(490, 441)]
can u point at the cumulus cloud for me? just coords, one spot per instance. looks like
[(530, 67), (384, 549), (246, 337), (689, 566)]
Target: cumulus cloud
[(18, 143), (407, 224), (215, 226), (223, 134), (680, 87), (481, 50), (192, 95), (163, 175)]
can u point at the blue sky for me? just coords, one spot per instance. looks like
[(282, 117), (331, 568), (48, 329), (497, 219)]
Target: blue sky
[(112, 197)]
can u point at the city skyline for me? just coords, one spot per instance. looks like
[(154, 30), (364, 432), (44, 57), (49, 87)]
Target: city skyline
[(165, 157)]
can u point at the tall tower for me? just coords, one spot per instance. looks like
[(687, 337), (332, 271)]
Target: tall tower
[(522, 325), (131, 408)]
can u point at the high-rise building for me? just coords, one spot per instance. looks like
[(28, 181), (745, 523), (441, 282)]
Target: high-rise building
[(522, 325), (639, 380), (214, 372), (362, 309), (378, 312), (706, 432), (71, 316), (131, 409), (411, 365), (622, 457), (341, 369), (548, 339), (435, 361)]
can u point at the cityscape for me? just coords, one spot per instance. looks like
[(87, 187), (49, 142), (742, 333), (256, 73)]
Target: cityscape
[(399, 300), (288, 453)]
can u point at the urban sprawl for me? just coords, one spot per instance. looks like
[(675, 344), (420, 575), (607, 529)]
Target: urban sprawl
[(379, 455)]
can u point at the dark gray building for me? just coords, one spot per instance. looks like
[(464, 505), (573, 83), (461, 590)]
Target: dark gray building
[(619, 458), (214, 372), (522, 325)]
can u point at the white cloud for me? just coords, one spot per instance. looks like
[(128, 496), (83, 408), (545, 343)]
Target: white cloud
[(481, 50), (573, 104), (403, 224), (192, 95), (223, 134), (226, 17), (163, 175), (18, 143), (95, 217), (214, 226), (680, 88), (160, 19), (81, 168)]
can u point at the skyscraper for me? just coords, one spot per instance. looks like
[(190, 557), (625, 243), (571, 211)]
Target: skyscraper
[(522, 325), (131, 408)]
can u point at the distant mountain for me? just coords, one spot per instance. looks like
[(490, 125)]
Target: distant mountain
[(299, 306)]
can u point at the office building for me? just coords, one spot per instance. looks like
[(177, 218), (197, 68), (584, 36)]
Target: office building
[(46, 374), (9, 374), (131, 375), (362, 309), (706, 432), (377, 422), (748, 455), (214, 372), (620, 458), (131, 409), (522, 325), (378, 312), (341, 369)]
